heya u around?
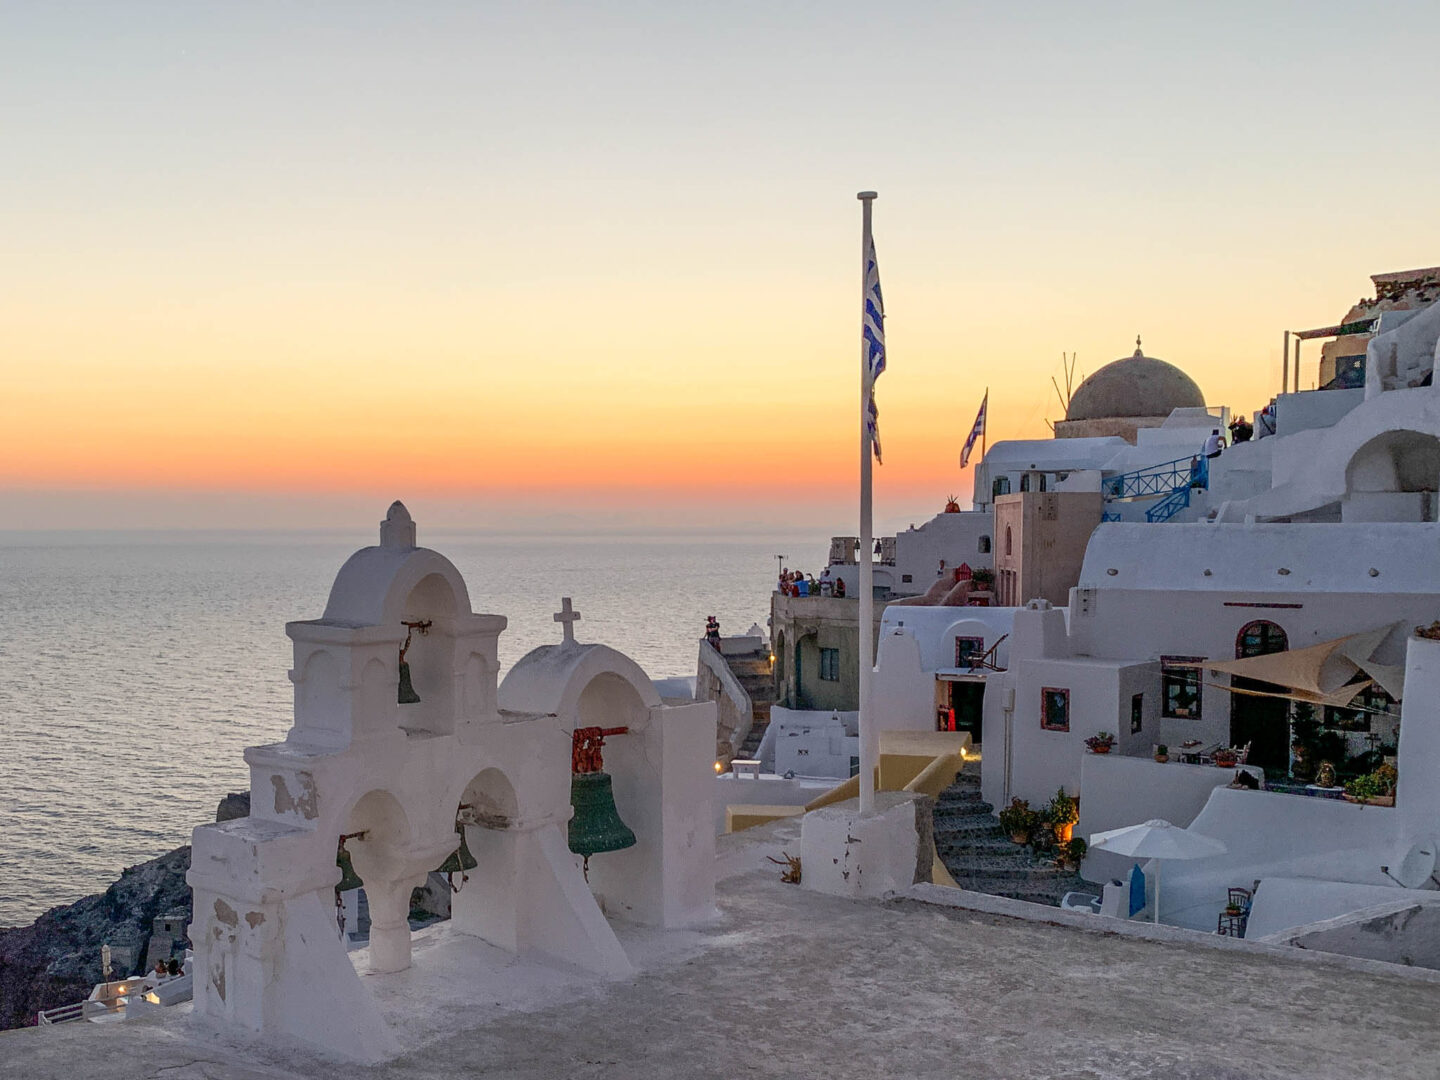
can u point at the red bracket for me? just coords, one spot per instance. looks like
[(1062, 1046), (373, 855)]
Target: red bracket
[(585, 749)]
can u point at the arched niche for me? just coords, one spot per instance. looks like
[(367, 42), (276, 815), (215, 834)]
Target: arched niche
[(1396, 461), (489, 800), (319, 700), (432, 599)]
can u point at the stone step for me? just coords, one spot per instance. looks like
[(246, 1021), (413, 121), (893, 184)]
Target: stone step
[(958, 812), (981, 846), (968, 827)]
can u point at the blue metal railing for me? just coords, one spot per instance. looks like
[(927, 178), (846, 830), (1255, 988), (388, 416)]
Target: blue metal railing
[(1163, 479), (1169, 506), (1110, 515)]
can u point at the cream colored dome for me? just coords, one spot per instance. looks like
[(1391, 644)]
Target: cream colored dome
[(1137, 385)]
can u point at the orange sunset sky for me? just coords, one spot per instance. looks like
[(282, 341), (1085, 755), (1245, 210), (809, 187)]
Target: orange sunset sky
[(268, 265)]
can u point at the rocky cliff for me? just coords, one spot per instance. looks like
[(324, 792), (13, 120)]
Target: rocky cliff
[(56, 959)]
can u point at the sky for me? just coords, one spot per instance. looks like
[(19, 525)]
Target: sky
[(596, 266)]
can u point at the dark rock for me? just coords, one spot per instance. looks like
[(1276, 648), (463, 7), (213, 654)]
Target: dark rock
[(234, 805), (56, 959)]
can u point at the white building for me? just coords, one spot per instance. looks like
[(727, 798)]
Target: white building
[(402, 747)]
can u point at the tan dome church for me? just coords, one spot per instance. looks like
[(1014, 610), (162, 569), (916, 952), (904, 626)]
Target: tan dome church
[(1130, 393)]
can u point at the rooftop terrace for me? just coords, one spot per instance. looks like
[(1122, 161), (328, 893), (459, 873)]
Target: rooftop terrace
[(795, 984)]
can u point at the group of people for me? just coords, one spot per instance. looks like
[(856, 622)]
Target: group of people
[(794, 583), (166, 969)]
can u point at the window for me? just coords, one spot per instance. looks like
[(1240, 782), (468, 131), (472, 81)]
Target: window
[(1260, 638), (966, 648), (1009, 541), (984, 545), (1137, 713), (1367, 703), (1054, 709), (1001, 486), (1180, 695), (906, 577), (830, 665)]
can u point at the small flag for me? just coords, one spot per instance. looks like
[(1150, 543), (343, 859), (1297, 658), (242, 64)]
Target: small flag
[(874, 340), (976, 431)]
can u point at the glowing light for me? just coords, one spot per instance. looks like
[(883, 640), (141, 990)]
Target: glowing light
[(719, 767)]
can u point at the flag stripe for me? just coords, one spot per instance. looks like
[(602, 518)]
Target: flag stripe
[(976, 430), (874, 334)]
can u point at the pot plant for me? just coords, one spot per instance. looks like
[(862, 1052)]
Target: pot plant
[(1226, 759), (1376, 788), (1019, 821), (1100, 742), (1162, 753), (983, 578), (1062, 812), (1073, 853)]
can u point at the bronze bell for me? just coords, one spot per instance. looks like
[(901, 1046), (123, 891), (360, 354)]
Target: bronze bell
[(460, 860), (407, 695), (348, 878), (596, 826)]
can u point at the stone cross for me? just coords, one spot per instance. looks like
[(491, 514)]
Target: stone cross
[(567, 616)]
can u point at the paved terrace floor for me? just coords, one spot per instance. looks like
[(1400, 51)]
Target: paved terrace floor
[(791, 984)]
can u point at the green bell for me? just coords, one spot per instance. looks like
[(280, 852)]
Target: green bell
[(348, 878), (596, 826), (460, 859), (407, 694)]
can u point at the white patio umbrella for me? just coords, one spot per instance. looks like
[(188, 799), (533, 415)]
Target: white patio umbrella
[(1156, 839)]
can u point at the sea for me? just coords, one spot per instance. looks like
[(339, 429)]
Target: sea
[(138, 666)]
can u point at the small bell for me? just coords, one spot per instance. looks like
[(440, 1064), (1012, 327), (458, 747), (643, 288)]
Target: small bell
[(596, 826), (460, 860), (348, 878), (407, 694)]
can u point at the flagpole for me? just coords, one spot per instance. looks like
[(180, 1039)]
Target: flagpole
[(867, 565)]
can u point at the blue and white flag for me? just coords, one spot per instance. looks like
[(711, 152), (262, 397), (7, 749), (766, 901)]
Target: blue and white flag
[(976, 431), (874, 331)]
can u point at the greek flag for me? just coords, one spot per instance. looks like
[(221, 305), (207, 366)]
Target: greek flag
[(976, 431), (874, 340)]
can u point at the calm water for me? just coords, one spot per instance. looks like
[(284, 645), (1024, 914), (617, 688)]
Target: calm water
[(139, 667)]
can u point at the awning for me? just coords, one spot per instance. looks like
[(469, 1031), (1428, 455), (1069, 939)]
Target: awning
[(1323, 674)]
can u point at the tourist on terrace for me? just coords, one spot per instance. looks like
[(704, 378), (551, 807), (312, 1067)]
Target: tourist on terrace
[(1240, 430), (1214, 444), (826, 585)]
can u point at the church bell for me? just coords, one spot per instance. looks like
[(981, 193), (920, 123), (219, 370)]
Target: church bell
[(407, 694), (348, 878), (596, 826), (459, 862)]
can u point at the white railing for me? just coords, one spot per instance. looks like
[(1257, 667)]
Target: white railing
[(64, 1014)]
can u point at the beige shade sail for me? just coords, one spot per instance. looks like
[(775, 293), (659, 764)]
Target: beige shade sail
[(1319, 674)]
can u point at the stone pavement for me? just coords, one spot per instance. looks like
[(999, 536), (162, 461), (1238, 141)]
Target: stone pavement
[(791, 984)]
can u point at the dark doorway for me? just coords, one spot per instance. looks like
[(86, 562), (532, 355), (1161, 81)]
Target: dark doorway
[(1261, 722), (967, 705)]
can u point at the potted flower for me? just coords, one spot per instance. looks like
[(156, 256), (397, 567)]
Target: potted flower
[(1225, 758), (1162, 753), (1073, 853), (1377, 788), (1100, 742), (1062, 812), (1019, 821)]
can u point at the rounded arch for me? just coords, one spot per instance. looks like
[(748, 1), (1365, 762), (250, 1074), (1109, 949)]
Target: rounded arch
[(553, 678), (1009, 541), (380, 586), (381, 816), (781, 666), (489, 799), (1260, 638), (984, 546), (1403, 460)]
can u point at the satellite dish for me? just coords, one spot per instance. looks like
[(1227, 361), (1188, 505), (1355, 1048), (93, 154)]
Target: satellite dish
[(1418, 865)]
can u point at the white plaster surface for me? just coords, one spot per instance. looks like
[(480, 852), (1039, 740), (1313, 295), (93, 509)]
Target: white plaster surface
[(798, 984), (847, 853)]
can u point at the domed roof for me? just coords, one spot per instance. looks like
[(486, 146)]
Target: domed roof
[(1137, 385)]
